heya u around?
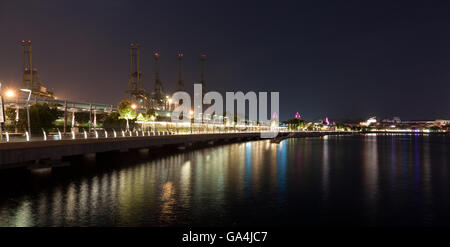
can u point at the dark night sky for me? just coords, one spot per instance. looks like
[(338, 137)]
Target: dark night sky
[(342, 59)]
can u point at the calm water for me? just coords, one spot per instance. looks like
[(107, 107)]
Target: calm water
[(336, 180)]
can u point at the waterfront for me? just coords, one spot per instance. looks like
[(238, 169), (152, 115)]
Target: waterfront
[(368, 180)]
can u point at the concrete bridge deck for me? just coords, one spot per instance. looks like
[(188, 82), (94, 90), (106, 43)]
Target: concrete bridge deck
[(30, 154)]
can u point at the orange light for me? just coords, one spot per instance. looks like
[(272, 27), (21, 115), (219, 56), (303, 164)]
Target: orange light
[(10, 93), (134, 106)]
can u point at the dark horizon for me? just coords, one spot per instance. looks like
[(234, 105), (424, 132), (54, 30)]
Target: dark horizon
[(335, 60)]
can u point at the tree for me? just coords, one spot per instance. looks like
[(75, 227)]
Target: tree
[(343, 126), (126, 111), (82, 117), (435, 128), (113, 121), (42, 116), (11, 123), (101, 117), (296, 124), (151, 115)]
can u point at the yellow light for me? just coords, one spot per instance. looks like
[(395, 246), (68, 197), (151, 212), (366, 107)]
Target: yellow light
[(10, 93), (191, 112), (134, 106), (170, 101)]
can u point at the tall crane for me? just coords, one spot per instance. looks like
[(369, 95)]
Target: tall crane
[(180, 84), (158, 100), (30, 76), (136, 92), (27, 65), (202, 71)]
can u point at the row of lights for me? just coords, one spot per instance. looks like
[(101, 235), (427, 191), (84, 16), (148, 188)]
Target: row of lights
[(124, 133), (11, 93)]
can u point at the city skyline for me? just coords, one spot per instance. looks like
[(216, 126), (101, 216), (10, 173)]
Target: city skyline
[(230, 123), (322, 65)]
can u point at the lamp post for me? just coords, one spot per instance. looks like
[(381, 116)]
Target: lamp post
[(170, 103), (16, 129), (133, 107), (28, 108), (10, 93)]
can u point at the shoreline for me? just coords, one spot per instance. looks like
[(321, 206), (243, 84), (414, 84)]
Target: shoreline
[(48, 154)]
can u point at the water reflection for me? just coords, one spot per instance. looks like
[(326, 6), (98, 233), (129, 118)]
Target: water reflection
[(427, 183), (23, 216), (367, 180), (282, 167), (370, 168), (325, 169)]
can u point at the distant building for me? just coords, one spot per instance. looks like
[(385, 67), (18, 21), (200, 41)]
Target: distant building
[(370, 121), (442, 122), (395, 120)]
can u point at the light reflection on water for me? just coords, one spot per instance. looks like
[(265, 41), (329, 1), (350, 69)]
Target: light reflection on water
[(351, 180)]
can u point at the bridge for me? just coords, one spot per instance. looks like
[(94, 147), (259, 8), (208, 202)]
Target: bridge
[(20, 101), (54, 151)]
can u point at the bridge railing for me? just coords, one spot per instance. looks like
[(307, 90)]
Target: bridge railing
[(144, 131), (121, 133)]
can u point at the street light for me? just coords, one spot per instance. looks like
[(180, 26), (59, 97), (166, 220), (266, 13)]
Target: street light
[(28, 107), (10, 93)]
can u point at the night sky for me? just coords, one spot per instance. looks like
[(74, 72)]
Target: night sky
[(342, 59)]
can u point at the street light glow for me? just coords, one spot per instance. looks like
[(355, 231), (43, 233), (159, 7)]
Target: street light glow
[(134, 106), (10, 93)]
